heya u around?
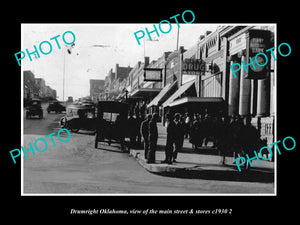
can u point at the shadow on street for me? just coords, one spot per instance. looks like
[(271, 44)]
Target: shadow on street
[(252, 175), (110, 148)]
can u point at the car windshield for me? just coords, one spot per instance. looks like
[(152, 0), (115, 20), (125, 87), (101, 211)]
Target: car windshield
[(108, 116), (72, 112)]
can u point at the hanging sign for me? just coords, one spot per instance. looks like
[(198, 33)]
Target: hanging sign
[(193, 66), (153, 74)]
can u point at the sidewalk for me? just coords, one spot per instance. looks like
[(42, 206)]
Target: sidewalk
[(204, 160)]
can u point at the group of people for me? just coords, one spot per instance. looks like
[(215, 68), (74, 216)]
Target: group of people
[(231, 135), (149, 133), (175, 137)]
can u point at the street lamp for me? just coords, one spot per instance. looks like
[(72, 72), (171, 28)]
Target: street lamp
[(64, 71), (126, 93)]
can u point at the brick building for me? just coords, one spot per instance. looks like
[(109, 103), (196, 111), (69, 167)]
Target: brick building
[(36, 87), (96, 88)]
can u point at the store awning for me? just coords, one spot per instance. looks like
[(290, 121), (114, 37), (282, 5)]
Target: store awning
[(161, 97), (144, 92), (194, 100), (178, 93)]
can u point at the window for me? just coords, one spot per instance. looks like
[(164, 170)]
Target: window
[(108, 116)]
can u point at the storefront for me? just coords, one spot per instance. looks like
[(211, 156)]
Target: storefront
[(200, 80), (252, 91), (155, 106)]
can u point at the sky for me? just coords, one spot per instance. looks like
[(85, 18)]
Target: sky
[(98, 48)]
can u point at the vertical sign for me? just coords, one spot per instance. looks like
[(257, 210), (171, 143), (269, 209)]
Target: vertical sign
[(258, 41)]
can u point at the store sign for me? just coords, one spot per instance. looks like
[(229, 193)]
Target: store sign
[(153, 74), (258, 41), (237, 44), (193, 66)]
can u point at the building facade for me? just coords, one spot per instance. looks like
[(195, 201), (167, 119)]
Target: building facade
[(41, 84), (199, 79), (206, 83), (36, 88), (30, 88), (115, 83), (252, 92), (96, 89)]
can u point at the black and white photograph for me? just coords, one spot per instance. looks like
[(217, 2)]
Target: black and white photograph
[(146, 110), (123, 109)]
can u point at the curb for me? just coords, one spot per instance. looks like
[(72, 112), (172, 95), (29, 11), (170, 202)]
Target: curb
[(163, 168), (156, 167)]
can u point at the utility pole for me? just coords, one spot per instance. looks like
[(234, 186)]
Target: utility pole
[(177, 44), (64, 69), (64, 76)]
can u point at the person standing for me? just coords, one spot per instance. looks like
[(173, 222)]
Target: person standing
[(138, 133), (223, 138), (132, 130), (249, 139), (153, 136), (144, 130), (170, 140), (196, 136), (235, 127), (187, 125), (178, 136), (207, 128)]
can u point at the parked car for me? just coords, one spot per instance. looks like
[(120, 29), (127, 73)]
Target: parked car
[(111, 124), (56, 107), (79, 117), (34, 108)]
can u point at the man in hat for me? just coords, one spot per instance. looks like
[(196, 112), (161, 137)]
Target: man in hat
[(170, 140), (153, 136), (145, 133), (178, 135)]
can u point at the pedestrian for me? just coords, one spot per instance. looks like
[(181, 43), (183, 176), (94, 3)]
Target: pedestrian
[(132, 130), (207, 128), (179, 136), (223, 138), (137, 131), (168, 118), (187, 121), (143, 110), (195, 136), (144, 130), (235, 127), (153, 136), (249, 139), (170, 140)]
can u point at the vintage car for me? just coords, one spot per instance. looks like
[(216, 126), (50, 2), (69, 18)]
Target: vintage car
[(34, 108), (56, 107), (79, 117), (111, 123)]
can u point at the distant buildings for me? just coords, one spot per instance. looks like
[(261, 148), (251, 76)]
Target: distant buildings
[(115, 83), (31, 89), (96, 88), (36, 87), (70, 99)]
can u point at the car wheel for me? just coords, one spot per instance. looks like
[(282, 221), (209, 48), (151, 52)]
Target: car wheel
[(63, 122), (96, 143), (75, 130)]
